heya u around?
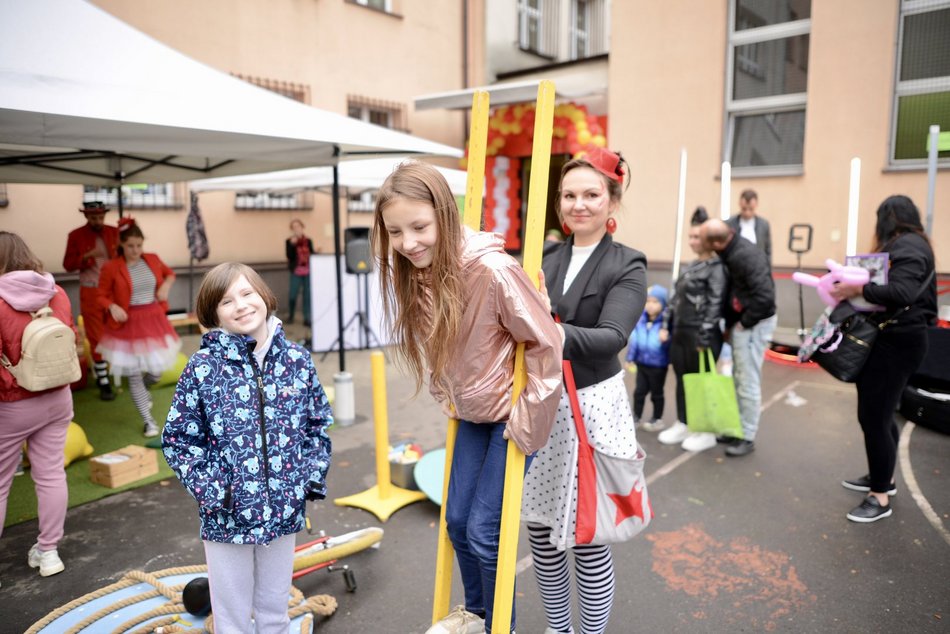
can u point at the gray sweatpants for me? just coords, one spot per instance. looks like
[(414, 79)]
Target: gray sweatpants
[(248, 579)]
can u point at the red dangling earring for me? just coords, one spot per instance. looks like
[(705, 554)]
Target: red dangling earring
[(565, 229), (611, 225)]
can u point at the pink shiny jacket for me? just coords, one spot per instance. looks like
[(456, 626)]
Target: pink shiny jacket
[(503, 308)]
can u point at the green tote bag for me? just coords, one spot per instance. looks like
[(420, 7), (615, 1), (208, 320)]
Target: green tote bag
[(711, 404)]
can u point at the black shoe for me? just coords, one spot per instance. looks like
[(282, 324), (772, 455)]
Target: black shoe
[(740, 448), (106, 393), (864, 484), (727, 440), (870, 510)]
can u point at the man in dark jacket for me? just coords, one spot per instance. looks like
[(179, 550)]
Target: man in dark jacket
[(751, 226), (750, 320)]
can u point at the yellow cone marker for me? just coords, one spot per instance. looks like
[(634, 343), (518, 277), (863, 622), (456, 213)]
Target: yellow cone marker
[(384, 498)]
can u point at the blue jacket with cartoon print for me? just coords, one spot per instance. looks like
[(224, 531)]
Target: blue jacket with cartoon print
[(249, 443)]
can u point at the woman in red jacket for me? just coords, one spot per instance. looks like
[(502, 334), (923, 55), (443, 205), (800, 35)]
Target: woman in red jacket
[(39, 418), (138, 340)]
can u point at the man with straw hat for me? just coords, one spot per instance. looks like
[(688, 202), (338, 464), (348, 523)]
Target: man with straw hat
[(87, 249)]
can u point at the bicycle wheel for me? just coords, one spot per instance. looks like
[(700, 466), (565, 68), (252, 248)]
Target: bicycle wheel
[(338, 547)]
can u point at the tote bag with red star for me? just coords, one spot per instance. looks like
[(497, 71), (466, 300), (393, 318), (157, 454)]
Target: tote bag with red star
[(612, 500)]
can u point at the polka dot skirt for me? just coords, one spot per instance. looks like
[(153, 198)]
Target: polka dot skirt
[(550, 487)]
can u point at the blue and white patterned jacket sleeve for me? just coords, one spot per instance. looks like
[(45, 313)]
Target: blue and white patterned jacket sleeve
[(320, 417), (188, 446)]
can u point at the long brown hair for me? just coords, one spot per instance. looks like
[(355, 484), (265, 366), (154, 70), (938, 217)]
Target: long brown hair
[(423, 307), (16, 256)]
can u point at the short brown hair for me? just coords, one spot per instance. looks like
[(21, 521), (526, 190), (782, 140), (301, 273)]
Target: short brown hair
[(748, 195), (15, 255), (216, 283)]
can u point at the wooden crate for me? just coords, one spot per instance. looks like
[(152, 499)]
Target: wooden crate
[(122, 466)]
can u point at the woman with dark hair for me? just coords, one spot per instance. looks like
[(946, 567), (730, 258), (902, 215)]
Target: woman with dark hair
[(38, 418), (299, 248), (697, 309), (899, 349), (597, 288), (138, 341)]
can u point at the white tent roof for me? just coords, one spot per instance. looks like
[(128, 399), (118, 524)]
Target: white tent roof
[(354, 175), (85, 96)]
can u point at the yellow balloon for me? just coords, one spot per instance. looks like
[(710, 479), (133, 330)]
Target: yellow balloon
[(599, 140), (583, 136), (170, 376)]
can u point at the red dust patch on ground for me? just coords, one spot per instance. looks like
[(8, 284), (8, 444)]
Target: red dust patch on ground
[(740, 573)]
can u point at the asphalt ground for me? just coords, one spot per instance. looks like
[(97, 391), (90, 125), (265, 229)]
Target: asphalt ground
[(758, 543)]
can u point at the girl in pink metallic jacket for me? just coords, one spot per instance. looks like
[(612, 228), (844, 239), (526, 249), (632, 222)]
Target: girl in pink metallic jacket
[(458, 305)]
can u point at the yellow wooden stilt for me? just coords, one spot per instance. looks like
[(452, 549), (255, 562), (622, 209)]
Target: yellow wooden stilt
[(533, 246), (384, 498), (472, 218)]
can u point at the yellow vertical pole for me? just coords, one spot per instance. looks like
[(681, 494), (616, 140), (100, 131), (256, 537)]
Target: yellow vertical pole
[(381, 423), (514, 465), (472, 217)]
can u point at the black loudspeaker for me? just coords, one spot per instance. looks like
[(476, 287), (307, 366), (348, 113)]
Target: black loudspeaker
[(356, 248)]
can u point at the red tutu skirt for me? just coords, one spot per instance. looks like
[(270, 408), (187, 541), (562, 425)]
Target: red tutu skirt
[(146, 343)]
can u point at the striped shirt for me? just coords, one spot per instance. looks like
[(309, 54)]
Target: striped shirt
[(143, 284)]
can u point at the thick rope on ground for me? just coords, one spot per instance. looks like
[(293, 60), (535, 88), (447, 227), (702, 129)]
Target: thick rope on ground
[(321, 604)]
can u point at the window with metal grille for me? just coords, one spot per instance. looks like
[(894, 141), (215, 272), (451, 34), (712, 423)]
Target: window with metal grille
[(922, 94), (766, 85), (136, 196), (388, 114), (253, 200)]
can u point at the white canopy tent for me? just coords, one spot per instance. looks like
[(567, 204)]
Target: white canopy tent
[(87, 99), (357, 175), (95, 101)]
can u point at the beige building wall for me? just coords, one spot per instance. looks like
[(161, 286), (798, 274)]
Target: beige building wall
[(667, 87), (335, 48)]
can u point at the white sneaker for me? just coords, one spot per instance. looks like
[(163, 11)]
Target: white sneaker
[(652, 425), (459, 621), (150, 430), (47, 561), (699, 441), (675, 434)]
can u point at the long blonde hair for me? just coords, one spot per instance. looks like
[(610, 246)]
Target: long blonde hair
[(423, 307)]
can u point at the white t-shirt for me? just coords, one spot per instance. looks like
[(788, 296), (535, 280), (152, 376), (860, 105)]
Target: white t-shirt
[(747, 229), (579, 256)]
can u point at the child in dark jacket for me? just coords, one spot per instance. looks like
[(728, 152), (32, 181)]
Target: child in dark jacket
[(648, 354), (246, 435)]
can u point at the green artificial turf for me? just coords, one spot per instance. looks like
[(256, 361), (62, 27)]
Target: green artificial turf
[(108, 426)]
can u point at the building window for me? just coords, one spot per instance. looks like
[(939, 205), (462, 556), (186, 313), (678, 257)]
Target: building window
[(537, 27), (273, 201), (381, 5), (589, 28), (297, 92), (922, 95), (766, 91), (385, 113), (136, 196), (4, 201)]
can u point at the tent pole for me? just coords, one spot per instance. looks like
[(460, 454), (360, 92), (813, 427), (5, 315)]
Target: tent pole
[(339, 269)]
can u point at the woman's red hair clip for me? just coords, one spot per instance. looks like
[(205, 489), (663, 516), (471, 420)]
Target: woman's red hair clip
[(607, 163), (125, 222)]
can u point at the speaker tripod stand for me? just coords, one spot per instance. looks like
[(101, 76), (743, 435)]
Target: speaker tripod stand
[(366, 337)]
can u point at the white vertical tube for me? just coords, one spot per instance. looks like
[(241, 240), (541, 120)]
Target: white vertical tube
[(854, 194), (725, 191), (932, 176), (680, 212)]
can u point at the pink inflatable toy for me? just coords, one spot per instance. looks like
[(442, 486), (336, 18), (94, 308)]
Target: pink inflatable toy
[(851, 275)]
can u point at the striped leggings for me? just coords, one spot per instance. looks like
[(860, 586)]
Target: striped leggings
[(140, 396), (594, 568)]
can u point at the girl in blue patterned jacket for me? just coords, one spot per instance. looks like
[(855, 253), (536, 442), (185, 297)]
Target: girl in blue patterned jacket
[(246, 435)]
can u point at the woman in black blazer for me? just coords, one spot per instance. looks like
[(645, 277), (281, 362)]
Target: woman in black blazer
[(597, 288), (899, 349)]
